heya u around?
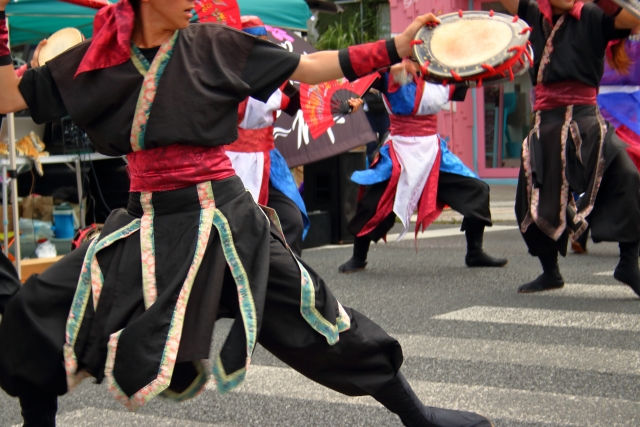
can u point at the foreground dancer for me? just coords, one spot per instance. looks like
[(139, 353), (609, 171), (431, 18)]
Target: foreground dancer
[(416, 171), (571, 148), (137, 305)]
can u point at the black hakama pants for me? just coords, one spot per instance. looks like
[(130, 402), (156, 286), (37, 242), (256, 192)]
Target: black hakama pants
[(35, 325), (574, 150), (290, 218), (468, 196)]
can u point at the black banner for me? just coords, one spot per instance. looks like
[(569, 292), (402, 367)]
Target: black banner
[(292, 135)]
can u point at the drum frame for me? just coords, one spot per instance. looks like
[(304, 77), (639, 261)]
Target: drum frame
[(631, 6), (82, 38), (438, 72)]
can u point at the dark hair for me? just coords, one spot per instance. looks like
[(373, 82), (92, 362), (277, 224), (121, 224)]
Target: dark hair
[(135, 4)]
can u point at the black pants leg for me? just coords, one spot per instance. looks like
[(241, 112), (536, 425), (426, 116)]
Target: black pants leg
[(468, 196), (364, 359), (290, 218), (616, 212), (537, 241)]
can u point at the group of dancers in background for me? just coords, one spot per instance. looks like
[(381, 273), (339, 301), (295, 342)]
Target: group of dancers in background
[(136, 306)]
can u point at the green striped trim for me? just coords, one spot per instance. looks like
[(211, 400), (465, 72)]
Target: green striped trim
[(149, 89), (148, 250), (196, 387), (90, 283), (224, 381), (308, 296), (170, 353)]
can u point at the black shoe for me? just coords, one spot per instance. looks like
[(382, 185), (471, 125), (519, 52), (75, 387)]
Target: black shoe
[(439, 417), (476, 257), (579, 246), (398, 397), (544, 282), (352, 266), (627, 270), (481, 259)]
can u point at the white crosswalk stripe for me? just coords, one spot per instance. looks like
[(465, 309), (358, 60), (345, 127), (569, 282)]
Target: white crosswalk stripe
[(576, 290), (604, 273), (527, 354), (559, 409), (542, 317)]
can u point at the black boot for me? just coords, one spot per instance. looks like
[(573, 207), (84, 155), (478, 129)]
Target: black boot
[(549, 279), (627, 270), (476, 257), (398, 397), (358, 261), (39, 410), (579, 246)]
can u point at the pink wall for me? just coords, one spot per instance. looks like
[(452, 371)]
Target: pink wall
[(460, 132)]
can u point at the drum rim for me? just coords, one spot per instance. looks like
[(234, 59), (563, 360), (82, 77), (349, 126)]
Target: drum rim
[(82, 38), (499, 78), (422, 52)]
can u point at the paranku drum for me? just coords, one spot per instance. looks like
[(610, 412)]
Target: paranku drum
[(59, 42), (476, 47)]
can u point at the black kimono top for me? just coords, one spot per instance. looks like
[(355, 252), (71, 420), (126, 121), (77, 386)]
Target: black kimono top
[(578, 46), (212, 69)]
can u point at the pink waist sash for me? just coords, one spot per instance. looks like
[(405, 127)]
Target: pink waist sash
[(413, 125), (563, 94), (177, 166)]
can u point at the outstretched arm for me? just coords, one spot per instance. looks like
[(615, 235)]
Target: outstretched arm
[(626, 21), (324, 66), (10, 98), (511, 6)]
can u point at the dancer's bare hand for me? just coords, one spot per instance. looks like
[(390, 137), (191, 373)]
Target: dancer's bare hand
[(355, 104), (3, 4), (36, 54), (403, 41)]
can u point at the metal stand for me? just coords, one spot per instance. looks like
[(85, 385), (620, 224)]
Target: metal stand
[(12, 174)]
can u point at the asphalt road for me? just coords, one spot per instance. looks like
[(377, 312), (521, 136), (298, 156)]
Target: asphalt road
[(564, 358)]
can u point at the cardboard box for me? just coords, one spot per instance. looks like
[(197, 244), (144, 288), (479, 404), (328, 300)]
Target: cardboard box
[(30, 267), (37, 207)]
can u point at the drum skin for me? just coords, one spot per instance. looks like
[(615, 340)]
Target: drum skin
[(59, 42)]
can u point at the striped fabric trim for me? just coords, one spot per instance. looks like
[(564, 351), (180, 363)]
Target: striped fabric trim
[(308, 297), (90, 283), (148, 90), (170, 353), (148, 251), (196, 387), (226, 382)]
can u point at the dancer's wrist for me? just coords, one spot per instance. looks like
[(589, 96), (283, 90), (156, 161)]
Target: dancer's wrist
[(360, 60)]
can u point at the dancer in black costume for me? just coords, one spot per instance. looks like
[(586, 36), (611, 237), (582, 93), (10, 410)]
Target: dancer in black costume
[(137, 305), (571, 148)]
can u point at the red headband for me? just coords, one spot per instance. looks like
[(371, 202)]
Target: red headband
[(111, 42), (545, 9)]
